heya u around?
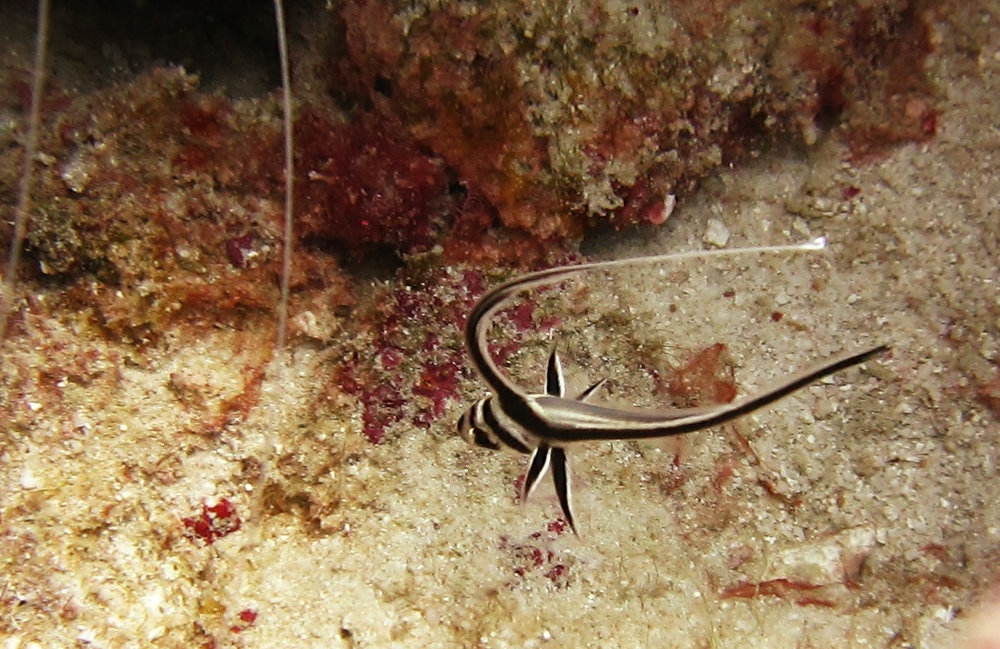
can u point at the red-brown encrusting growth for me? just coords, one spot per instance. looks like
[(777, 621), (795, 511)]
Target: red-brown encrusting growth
[(705, 379), (246, 619), (367, 182), (403, 345), (556, 117), (161, 205), (214, 522), (406, 365), (989, 394), (535, 554), (781, 588)]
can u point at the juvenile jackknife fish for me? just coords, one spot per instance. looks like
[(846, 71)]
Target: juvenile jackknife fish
[(543, 424)]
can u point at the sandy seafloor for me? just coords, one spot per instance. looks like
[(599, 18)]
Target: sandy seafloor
[(883, 529)]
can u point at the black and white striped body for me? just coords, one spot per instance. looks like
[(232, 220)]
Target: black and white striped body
[(544, 424), (487, 424)]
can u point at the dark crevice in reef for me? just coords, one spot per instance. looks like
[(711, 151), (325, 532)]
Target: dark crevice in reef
[(230, 44)]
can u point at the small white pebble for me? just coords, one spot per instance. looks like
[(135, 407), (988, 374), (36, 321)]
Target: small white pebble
[(29, 480), (945, 614), (185, 251), (169, 571), (79, 423), (669, 203), (77, 173), (716, 233)]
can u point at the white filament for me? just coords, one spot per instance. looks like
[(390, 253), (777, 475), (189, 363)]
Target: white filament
[(28, 172), (286, 259)]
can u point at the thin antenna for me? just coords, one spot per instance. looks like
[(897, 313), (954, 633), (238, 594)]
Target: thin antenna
[(279, 366), (286, 258), (27, 173)]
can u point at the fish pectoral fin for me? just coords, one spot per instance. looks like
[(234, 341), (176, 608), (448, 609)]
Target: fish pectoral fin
[(561, 477), (555, 383), (538, 465), (589, 392)]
